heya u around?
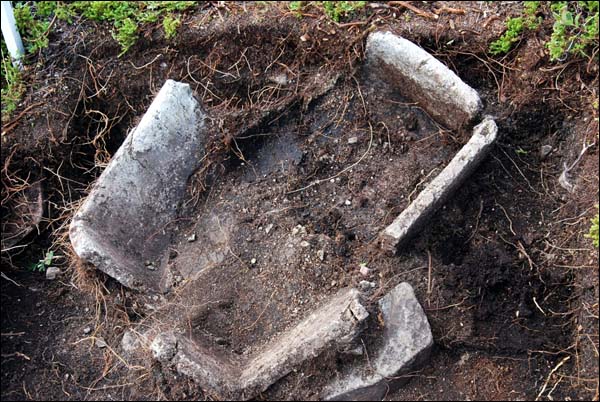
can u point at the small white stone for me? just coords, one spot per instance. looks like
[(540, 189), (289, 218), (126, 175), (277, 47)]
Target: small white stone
[(253, 261), (364, 270), (304, 244), (352, 140), (348, 202), (192, 237), (268, 228), (321, 254), (52, 272)]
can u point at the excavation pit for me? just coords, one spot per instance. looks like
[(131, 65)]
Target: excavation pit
[(246, 289)]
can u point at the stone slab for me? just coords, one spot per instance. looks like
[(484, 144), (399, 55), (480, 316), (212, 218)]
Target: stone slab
[(422, 78), (436, 193), (334, 324), (124, 222), (407, 342)]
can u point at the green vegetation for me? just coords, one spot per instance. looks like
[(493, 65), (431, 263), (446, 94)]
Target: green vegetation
[(33, 31), (170, 24), (337, 9), (333, 9), (12, 86), (41, 265), (593, 233), (521, 151), (126, 18), (35, 19), (575, 28), (515, 26)]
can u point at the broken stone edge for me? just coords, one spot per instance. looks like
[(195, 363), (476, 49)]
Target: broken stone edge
[(437, 192), (337, 323), (407, 343), (122, 221), (423, 78)]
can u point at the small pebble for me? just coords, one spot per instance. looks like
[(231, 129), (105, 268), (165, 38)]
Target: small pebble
[(366, 285), (253, 261), (348, 202), (321, 254), (52, 272), (268, 228), (545, 151), (304, 243), (192, 237), (364, 270), (101, 343), (352, 140), (87, 330)]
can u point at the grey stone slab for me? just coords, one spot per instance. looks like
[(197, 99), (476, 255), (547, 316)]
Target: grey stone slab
[(335, 324), (124, 221), (407, 342), (421, 77), (416, 214)]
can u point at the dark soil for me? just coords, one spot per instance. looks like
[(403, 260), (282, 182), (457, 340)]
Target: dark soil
[(512, 298)]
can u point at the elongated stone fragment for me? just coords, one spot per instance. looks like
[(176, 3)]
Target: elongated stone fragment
[(416, 214), (124, 221)]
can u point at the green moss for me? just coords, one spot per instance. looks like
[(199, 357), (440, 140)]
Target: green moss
[(514, 27), (170, 25), (333, 9), (593, 233)]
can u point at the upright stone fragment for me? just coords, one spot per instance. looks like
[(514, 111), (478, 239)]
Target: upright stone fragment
[(423, 78), (407, 342), (412, 219), (124, 222)]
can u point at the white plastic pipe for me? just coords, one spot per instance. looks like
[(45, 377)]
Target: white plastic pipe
[(11, 35)]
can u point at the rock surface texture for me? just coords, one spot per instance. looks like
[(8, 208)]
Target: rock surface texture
[(407, 341), (124, 221)]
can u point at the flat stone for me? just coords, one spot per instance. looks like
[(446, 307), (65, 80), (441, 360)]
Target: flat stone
[(335, 324), (407, 342), (124, 220), (423, 78), (437, 192)]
